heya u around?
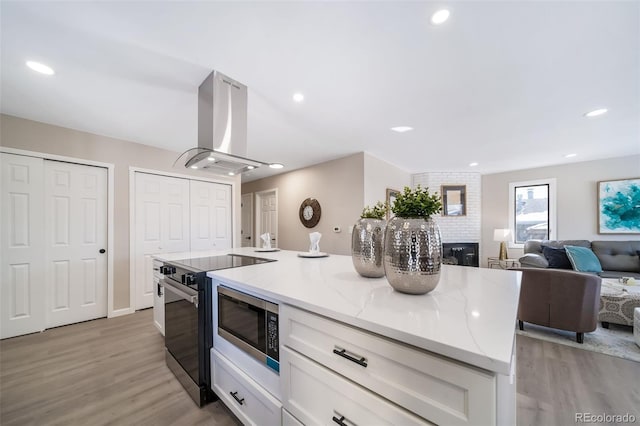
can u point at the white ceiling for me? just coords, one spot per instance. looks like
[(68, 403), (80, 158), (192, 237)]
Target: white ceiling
[(501, 83)]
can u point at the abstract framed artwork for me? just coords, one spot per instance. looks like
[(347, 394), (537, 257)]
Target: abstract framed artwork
[(391, 198), (619, 206)]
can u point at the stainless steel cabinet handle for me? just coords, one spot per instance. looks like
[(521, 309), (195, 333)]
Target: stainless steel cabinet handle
[(360, 360), (185, 294), (235, 396)]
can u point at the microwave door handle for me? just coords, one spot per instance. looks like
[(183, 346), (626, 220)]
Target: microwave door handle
[(188, 294)]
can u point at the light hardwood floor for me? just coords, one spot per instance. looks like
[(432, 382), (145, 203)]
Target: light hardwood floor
[(102, 372), (112, 372), (555, 382)]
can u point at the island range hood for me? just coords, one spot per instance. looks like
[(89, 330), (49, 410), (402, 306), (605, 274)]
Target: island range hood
[(222, 129)]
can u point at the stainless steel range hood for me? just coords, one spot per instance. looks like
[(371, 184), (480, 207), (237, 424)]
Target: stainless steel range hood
[(222, 129)]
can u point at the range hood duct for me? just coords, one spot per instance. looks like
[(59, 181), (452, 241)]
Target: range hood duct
[(222, 129)]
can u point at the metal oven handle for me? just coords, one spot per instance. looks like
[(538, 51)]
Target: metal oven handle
[(185, 292)]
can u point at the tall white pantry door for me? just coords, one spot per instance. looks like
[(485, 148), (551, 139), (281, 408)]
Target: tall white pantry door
[(76, 242), (210, 215), (22, 246), (54, 224), (161, 226)]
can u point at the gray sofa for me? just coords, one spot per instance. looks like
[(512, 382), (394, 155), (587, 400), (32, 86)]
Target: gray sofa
[(617, 258)]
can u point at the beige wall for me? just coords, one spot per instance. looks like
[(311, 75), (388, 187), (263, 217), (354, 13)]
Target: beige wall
[(576, 186), (40, 137), (337, 185), (380, 175)]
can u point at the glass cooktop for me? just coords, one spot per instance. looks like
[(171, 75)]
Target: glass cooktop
[(215, 263)]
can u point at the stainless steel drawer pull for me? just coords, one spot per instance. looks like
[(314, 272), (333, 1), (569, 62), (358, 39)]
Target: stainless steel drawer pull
[(235, 396), (360, 360)]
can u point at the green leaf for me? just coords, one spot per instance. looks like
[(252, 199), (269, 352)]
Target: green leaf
[(376, 212), (416, 203)]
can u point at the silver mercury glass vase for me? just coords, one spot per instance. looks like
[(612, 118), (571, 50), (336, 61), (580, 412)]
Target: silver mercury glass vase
[(367, 247), (412, 254)]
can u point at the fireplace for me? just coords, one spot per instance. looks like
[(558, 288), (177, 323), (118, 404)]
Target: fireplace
[(465, 254)]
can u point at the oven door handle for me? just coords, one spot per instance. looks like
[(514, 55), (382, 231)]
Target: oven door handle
[(186, 293)]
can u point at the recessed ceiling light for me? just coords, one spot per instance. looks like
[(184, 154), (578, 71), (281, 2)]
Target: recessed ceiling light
[(473, 164), (211, 159), (276, 166), (476, 314), (440, 17), (570, 155), (596, 112), (194, 167), (231, 174), (401, 129), (41, 68), (250, 167), (298, 97)]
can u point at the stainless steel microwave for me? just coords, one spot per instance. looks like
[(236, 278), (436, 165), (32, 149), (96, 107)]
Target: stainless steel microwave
[(251, 324)]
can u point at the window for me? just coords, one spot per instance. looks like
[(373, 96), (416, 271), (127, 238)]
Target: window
[(532, 211)]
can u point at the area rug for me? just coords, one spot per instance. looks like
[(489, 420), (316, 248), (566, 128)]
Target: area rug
[(616, 341)]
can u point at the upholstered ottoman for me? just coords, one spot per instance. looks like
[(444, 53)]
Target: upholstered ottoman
[(636, 325), (617, 302)]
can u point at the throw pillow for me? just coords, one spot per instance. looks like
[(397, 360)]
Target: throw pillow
[(557, 257), (583, 259)]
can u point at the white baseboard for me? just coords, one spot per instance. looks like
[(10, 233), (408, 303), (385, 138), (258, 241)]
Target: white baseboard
[(120, 312)]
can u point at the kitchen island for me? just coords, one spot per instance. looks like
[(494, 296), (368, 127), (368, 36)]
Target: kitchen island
[(446, 357)]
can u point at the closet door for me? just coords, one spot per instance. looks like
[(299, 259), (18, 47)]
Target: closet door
[(210, 215), (76, 242), (22, 246), (161, 226)]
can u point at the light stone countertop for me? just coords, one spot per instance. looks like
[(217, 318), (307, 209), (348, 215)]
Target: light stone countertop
[(470, 316)]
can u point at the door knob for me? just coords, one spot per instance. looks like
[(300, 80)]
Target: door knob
[(102, 251)]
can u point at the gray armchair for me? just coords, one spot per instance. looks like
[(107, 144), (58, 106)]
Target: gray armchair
[(561, 299)]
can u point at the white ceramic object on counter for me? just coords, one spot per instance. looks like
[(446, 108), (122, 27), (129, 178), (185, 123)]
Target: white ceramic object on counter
[(310, 254), (314, 238), (266, 240)]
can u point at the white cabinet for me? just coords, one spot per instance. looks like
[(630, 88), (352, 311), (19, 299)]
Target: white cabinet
[(439, 389), (289, 420), (158, 297), (316, 395), (242, 395)]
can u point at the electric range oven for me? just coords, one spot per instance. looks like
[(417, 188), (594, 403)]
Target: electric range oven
[(189, 319)]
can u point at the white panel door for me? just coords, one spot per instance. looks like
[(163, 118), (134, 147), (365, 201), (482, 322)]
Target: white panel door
[(269, 216), (76, 242), (246, 231), (22, 246), (210, 215), (161, 226)]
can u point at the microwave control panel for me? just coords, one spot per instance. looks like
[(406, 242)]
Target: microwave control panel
[(272, 335)]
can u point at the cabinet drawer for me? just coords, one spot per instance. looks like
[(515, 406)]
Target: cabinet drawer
[(436, 388), (289, 420), (156, 269), (316, 395), (248, 400)]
